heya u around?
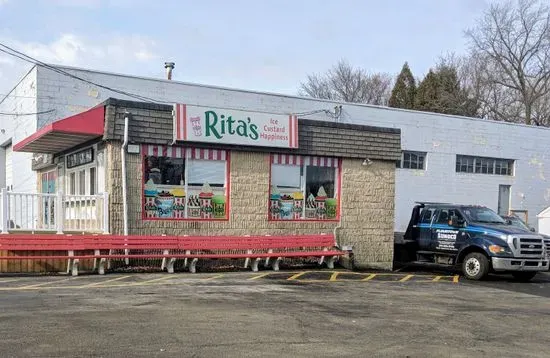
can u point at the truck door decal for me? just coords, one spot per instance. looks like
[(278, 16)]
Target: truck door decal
[(446, 239)]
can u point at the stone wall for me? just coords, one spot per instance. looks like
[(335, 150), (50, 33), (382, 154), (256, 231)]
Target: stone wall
[(367, 205)]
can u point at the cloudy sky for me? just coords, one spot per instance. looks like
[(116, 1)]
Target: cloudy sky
[(266, 45)]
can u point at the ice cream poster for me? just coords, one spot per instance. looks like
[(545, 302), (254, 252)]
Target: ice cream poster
[(217, 125), (171, 203)]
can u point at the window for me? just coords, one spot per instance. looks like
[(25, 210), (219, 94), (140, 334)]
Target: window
[(92, 181), (427, 215), (185, 183), (483, 165), (412, 160), (81, 172), (445, 216), (304, 188)]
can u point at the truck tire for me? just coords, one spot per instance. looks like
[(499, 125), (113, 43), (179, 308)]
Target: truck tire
[(475, 266), (523, 276)]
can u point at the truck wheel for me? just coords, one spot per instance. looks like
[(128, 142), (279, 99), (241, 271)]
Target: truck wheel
[(523, 276), (475, 266)]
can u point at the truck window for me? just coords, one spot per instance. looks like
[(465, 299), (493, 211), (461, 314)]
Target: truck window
[(427, 215), (445, 216)]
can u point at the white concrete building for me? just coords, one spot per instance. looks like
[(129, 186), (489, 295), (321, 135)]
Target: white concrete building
[(445, 158)]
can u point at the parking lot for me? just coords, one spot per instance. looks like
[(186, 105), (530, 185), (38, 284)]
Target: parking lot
[(294, 313)]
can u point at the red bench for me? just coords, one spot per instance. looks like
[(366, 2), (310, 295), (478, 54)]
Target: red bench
[(251, 248)]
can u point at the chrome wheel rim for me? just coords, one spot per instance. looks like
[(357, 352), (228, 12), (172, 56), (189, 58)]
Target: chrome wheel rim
[(472, 266)]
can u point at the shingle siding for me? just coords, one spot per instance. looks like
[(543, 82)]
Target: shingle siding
[(153, 124)]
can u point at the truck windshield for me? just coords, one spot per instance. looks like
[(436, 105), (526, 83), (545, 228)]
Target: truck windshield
[(482, 215)]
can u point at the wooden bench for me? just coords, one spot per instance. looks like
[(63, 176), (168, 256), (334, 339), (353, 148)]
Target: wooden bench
[(253, 249), (39, 245)]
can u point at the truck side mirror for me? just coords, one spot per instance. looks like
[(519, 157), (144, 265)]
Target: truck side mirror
[(456, 222), (532, 229)]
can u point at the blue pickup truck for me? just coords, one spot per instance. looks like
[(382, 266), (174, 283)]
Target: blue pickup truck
[(474, 239)]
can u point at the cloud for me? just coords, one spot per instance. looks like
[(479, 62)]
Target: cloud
[(74, 50), (119, 53)]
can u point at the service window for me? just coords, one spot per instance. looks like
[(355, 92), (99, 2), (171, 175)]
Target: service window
[(304, 188), (81, 172), (185, 183)]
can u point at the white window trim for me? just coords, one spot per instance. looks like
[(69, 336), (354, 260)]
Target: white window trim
[(77, 170), (424, 154)]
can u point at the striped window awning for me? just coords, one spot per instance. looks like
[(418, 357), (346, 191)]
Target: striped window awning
[(289, 159), (182, 152)]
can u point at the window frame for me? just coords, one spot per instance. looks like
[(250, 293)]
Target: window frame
[(303, 177), (77, 171), (187, 150), (484, 165), (401, 163)]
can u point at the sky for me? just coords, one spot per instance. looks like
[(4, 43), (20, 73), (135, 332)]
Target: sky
[(269, 45)]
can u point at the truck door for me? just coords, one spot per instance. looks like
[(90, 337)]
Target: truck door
[(443, 235), (425, 230)]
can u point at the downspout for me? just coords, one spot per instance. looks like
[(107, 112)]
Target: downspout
[(124, 181)]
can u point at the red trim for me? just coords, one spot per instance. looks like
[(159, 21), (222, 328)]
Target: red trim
[(145, 152), (296, 136), (90, 123), (290, 130), (184, 122), (302, 162)]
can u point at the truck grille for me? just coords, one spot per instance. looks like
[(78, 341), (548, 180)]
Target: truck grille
[(547, 242), (531, 247)]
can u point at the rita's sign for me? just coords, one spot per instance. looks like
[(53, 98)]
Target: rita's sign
[(215, 125)]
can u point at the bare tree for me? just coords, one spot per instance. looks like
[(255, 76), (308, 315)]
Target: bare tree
[(514, 43), (344, 82)]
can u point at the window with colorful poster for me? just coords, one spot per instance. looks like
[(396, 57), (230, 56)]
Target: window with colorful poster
[(304, 188), (185, 183)]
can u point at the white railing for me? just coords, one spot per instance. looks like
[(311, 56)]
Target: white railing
[(53, 212)]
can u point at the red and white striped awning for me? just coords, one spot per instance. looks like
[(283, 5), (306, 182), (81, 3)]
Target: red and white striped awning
[(180, 152), (289, 159)]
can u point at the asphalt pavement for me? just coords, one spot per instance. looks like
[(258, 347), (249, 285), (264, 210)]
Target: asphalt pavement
[(285, 314)]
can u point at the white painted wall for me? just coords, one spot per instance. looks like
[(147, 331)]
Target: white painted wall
[(441, 136), (22, 99)]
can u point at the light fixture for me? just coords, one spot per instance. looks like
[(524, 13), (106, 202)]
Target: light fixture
[(367, 161)]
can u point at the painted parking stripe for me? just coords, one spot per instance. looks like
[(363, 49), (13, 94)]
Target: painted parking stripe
[(294, 277), (455, 279), (334, 276), (257, 277), (406, 278), (369, 277), (100, 283), (45, 283), (213, 277)]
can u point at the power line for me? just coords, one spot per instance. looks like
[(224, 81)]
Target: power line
[(26, 114), (13, 52)]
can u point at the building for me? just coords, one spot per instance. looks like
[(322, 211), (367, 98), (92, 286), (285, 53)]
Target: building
[(201, 170), (445, 158)]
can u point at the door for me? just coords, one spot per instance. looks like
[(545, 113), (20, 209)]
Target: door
[(443, 235), (503, 199), (9, 167), (425, 228), (48, 202)]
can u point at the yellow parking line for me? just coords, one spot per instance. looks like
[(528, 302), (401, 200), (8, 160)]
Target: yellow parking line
[(213, 277), (45, 283), (437, 278), (406, 278), (294, 277), (455, 278), (369, 277), (334, 276), (11, 280), (260, 276), (167, 277), (107, 281)]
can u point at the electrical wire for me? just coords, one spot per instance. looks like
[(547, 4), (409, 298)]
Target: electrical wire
[(13, 52), (26, 114)]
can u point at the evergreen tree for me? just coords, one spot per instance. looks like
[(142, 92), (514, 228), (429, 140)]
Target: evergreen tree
[(404, 90), (427, 94), (440, 91)]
